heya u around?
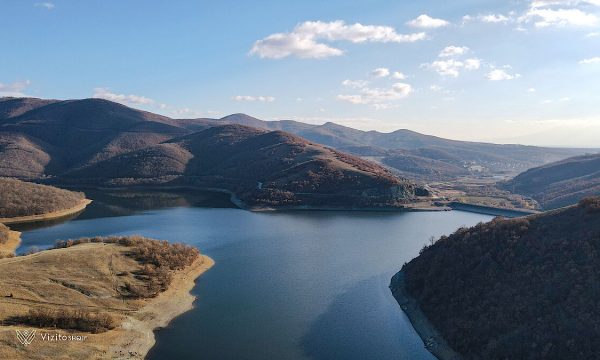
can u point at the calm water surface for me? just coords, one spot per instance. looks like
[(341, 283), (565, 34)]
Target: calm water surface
[(297, 285)]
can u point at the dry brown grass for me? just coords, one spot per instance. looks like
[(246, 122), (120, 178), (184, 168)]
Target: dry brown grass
[(159, 260), (82, 288)]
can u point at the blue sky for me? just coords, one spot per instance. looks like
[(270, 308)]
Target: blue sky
[(504, 71)]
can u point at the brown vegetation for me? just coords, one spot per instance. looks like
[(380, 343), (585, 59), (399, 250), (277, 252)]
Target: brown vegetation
[(83, 288), (78, 319), (158, 259), (262, 168), (98, 142), (4, 231), (19, 198), (524, 288)]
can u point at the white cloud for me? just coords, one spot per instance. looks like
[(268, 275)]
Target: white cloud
[(489, 18), (254, 98), (447, 67), (563, 17), (306, 40), (450, 65), (357, 84), (435, 88), (500, 74), (379, 98), (398, 75), (452, 50), (46, 5), (425, 21), (380, 72), (14, 89), (494, 18), (592, 34), (453, 67), (531, 90), (472, 64), (592, 60), (104, 93), (544, 13), (278, 46)]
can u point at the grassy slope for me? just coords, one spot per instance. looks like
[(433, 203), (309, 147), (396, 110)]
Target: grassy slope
[(91, 283)]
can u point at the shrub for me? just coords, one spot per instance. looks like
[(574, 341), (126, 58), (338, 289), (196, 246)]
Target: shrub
[(78, 319), (591, 204)]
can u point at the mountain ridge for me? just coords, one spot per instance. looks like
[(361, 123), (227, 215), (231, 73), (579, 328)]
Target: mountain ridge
[(559, 183)]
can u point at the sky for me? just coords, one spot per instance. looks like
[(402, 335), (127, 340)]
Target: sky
[(513, 71)]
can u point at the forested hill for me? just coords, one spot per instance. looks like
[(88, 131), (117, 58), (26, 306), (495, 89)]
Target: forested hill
[(19, 198), (524, 288), (262, 168)]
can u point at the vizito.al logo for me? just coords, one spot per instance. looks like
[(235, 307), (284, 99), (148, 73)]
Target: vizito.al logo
[(26, 336)]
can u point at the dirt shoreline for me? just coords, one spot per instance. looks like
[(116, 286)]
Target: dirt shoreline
[(433, 340), (139, 338), (14, 240), (44, 280), (47, 216)]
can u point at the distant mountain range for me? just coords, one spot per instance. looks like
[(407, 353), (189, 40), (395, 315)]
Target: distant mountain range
[(95, 140), (98, 142), (524, 288), (437, 157), (559, 183)]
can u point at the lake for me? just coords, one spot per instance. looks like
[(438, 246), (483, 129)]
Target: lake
[(286, 285)]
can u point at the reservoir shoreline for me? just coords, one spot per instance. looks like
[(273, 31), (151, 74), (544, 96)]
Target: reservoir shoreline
[(433, 340), (47, 216), (235, 200)]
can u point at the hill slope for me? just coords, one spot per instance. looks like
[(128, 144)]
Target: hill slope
[(20, 198), (262, 168), (47, 137), (561, 183), (494, 158), (524, 288)]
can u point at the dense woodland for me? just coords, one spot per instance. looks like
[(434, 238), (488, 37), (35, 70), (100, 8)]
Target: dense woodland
[(20, 198), (524, 288)]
